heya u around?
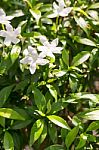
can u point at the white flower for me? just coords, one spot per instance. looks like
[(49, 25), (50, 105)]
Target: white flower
[(32, 58), (3, 18), (10, 35), (60, 9), (49, 48)]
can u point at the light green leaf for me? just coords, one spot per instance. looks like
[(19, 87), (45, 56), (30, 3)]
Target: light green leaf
[(93, 126), (36, 14), (10, 113), (84, 41), (15, 53), (43, 134), (92, 115), (36, 131), (82, 23), (58, 121), (4, 94), (52, 91), (71, 136), (94, 6), (8, 141), (80, 58), (82, 142), (93, 14), (39, 100), (55, 147)]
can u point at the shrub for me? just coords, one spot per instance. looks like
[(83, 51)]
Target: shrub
[(49, 74)]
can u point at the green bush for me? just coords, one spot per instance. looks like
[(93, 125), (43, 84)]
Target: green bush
[(49, 74)]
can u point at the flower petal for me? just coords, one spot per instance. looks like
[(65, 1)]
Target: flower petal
[(43, 39), (32, 68), (54, 42), (65, 11), (3, 33), (32, 51), (15, 40), (50, 54), (53, 15), (17, 31), (57, 50), (9, 17), (7, 41), (41, 61), (9, 28), (55, 6), (26, 60), (2, 12)]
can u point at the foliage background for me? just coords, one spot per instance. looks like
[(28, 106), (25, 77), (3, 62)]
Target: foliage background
[(58, 106)]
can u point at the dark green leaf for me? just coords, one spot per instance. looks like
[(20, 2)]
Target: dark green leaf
[(39, 100), (4, 94)]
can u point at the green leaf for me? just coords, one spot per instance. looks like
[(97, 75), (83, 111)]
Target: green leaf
[(21, 85), (58, 121), (2, 122), (8, 141), (46, 20), (82, 142), (91, 115), (39, 100), (36, 131), (4, 94), (91, 138), (10, 113), (43, 135), (93, 14), (71, 136), (55, 147), (94, 6), (82, 23), (52, 91), (84, 41), (20, 124), (55, 107), (65, 56), (36, 14), (80, 58), (52, 129), (15, 53), (93, 126)]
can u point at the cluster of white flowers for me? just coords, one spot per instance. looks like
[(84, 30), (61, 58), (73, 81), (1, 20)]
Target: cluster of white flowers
[(60, 9), (10, 34), (32, 58)]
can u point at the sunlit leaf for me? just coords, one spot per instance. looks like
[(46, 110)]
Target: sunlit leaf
[(58, 121)]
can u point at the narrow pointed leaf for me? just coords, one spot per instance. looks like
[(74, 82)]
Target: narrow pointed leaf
[(36, 131), (8, 141), (39, 100), (58, 121), (80, 58), (71, 136), (10, 114), (4, 94)]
